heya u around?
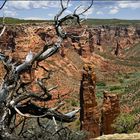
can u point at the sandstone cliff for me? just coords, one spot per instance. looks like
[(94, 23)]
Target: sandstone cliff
[(89, 115), (67, 64), (110, 111), (94, 120)]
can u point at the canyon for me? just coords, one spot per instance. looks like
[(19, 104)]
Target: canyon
[(94, 57)]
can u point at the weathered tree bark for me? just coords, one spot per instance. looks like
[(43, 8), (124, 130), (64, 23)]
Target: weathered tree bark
[(5, 119), (15, 98)]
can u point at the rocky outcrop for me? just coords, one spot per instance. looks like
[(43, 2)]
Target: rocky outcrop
[(18, 41), (110, 110), (65, 64), (108, 35), (89, 115), (133, 136), (111, 39), (8, 41)]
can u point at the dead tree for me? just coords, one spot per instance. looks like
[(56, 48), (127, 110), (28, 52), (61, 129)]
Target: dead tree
[(15, 98)]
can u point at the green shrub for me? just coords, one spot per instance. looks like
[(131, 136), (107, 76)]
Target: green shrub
[(121, 80), (127, 76), (101, 83), (74, 103), (99, 94), (115, 88), (124, 123), (136, 110)]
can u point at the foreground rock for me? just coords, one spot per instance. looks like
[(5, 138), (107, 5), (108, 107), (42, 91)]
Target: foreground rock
[(134, 136)]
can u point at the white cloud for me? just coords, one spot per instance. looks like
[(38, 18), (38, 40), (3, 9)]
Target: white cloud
[(89, 12), (51, 15), (114, 10), (32, 4), (99, 13), (68, 12), (9, 13), (123, 4), (19, 4), (39, 4), (117, 6), (129, 4)]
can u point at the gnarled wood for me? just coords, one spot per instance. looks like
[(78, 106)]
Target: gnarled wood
[(15, 98)]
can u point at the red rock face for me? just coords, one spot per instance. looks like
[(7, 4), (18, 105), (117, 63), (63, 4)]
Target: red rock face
[(69, 61), (102, 38), (110, 110), (89, 115), (110, 37), (66, 64)]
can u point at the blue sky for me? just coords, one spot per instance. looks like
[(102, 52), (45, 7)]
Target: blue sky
[(106, 9)]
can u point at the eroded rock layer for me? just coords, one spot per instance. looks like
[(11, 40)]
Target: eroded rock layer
[(110, 110), (17, 41), (89, 115)]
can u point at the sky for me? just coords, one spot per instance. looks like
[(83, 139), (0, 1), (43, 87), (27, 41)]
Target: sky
[(101, 9)]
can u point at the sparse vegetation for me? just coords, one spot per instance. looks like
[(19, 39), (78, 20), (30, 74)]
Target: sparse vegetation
[(112, 22), (14, 21), (115, 88), (101, 83), (93, 22), (18, 100), (125, 123)]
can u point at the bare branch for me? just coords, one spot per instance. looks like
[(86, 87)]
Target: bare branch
[(85, 9), (52, 88), (42, 67), (3, 4), (59, 106), (4, 27), (58, 27), (29, 57), (2, 56), (62, 5), (42, 55), (22, 86), (28, 115), (19, 122), (58, 22), (23, 124), (49, 52), (33, 111), (44, 126), (56, 126), (73, 36), (72, 114), (15, 95), (77, 9), (31, 96), (62, 10)]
